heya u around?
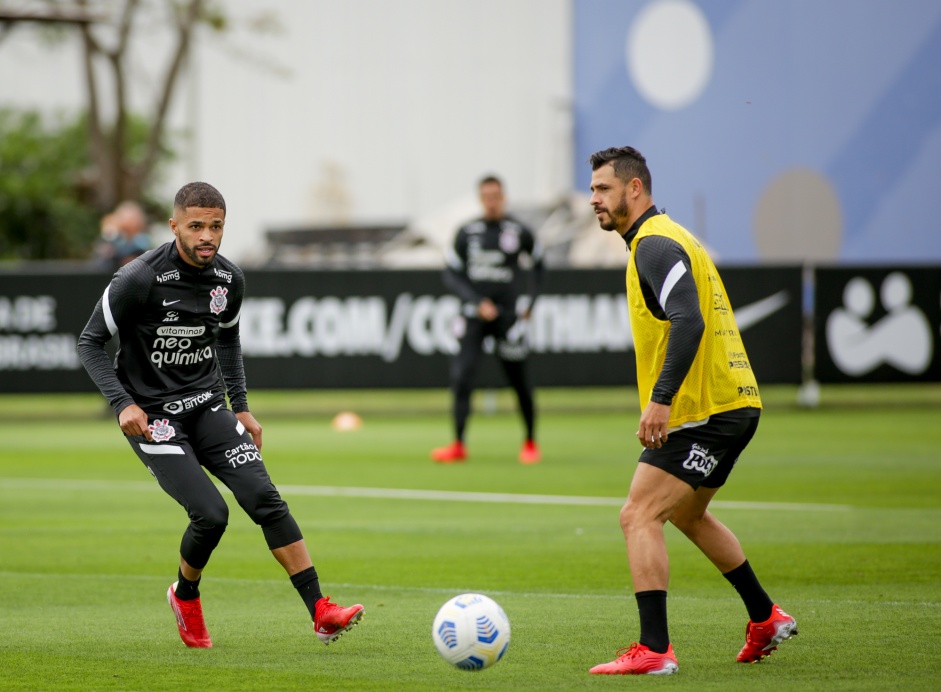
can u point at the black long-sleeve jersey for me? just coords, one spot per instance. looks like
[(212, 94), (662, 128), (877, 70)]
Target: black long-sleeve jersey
[(177, 327), (669, 298), (485, 263)]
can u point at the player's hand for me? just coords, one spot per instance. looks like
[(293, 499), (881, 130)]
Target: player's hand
[(487, 311), (133, 422), (251, 425), (652, 428)]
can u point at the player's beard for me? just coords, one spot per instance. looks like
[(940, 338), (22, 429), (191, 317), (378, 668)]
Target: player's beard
[(616, 216), (198, 259)]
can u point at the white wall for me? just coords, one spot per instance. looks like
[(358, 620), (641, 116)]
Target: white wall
[(368, 110)]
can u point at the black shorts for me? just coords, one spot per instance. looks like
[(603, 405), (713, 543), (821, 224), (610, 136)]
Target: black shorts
[(704, 455), (209, 438), (508, 332)]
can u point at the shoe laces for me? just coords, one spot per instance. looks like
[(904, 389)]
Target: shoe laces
[(192, 616), (628, 651), (325, 608), (189, 608)]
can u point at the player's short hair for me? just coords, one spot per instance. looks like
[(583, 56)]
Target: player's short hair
[(488, 180), (199, 195), (628, 164)]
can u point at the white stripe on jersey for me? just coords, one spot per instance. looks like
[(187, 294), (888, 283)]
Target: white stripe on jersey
[(689, 424), (672, 278), (106, 309), (161, 449), (239, 428), (538, 251), (232, 322), (452, 260)]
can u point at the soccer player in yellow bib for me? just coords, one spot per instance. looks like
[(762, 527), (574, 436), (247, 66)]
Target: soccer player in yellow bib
[(700, 408)]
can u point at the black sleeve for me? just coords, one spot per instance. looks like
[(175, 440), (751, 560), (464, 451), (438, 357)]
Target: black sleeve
[(126, 293), (455, 272), (538, 277), (229, 348), (670, 290)]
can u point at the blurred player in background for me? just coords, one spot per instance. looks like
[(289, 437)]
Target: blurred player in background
[(484, 270), (176, 311), (700, 408)]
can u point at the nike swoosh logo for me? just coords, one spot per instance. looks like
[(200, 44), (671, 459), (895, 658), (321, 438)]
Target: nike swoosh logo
[(216, 408), (754, 313), (169, 302)]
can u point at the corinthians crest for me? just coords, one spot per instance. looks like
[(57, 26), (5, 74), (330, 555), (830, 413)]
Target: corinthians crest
[(161, 430), (218, 300), (509, 240)]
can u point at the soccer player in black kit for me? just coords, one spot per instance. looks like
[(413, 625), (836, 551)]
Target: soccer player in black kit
[(175, 311), (483, 269)]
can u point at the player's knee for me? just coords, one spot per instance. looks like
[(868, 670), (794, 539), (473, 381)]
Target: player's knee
[(281, 530), (203, 534), (694, 523), (462, 374), (463, 386), (635, 515), (629, 517), (265, 507), (685, 522), (212, 518)]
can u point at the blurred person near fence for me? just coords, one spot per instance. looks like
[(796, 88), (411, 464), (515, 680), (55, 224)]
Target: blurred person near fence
[(484, 270), (124, 236)]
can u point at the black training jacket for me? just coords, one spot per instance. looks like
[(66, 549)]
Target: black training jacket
[(177, 327), (484, 263)]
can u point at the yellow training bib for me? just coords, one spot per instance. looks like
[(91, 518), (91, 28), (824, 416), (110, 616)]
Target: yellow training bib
[(720, 378)]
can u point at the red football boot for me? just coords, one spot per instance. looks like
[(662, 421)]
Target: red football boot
[(454, 453), (530, 453), (637, 659), (761, 638), (189, 620), (331, 620)]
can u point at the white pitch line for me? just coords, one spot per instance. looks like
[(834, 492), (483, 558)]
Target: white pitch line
[(35, 576), (407, 494), (512, 498)]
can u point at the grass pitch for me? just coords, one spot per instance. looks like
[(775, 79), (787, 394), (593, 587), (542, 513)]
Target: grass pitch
[(839, 510)]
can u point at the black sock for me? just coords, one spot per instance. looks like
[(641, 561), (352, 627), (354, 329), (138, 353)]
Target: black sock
[(652, 606), (186, 590), (308, 586), (757, 602)]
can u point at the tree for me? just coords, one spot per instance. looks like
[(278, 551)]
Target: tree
[(122, 150), (106, 32), (120, 177), (42, 214), (46, 205)]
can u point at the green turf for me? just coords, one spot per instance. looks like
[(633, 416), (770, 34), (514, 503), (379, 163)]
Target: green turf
[(88, 545)]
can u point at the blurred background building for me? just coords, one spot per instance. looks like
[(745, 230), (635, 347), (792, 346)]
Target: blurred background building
[(352, 134)]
